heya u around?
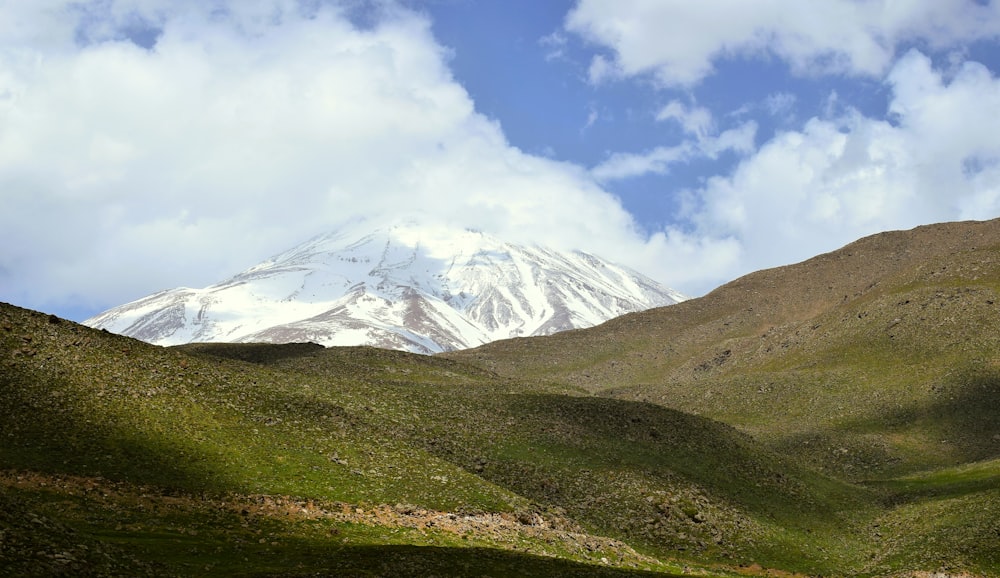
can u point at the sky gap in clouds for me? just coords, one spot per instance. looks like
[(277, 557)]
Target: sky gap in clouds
[(147, 144)]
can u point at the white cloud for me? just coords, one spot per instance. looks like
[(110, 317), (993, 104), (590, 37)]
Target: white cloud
[(677, 41), (740, 140), (781, 105), (245, 129), (698, 123), (628, 165), (835, 180), (600, 70), (592, 117), (697, 120), (555, 45)]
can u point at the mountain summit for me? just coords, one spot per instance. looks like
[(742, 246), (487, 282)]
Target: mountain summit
[(404, 286)]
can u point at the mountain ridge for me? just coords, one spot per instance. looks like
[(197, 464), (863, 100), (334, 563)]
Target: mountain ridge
[(402, 286)]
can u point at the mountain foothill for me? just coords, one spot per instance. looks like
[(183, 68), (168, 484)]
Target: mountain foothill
[(835, 417)]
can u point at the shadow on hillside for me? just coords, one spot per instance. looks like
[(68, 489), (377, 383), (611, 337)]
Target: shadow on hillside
[(937, 488), (958, 424), (647, 475), (328, 362), (962, 416), (155, 543), (968, 410), (565, 451), (442, 561), (252, 352), (49, 426)]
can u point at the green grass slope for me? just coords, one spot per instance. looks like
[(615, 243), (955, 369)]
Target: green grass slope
[(121, 458), (882, 358), (875, 364), (839, 417), (668, 483)]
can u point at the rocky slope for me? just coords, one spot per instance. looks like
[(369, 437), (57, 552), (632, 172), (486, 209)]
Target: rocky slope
[(404, 287)]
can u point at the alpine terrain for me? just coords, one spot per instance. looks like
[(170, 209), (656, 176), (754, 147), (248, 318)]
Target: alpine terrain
[(407, 287)]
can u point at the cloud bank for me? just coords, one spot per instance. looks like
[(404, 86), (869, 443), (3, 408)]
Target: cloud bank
[(934, 158), (150, 143), (243, 129), (677, 42), (840, 175)]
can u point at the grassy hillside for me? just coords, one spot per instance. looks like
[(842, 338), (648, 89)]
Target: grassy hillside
[(838, 417), (888, 348), (258, 459), (878, 364), (124, 458)]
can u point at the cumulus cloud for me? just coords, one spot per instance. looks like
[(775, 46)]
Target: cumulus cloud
[(811, 190), (834, 177), (600, 70), (151, 143), (677, 41), (695, 120), (241, 129), (628, 165), (703, 141)]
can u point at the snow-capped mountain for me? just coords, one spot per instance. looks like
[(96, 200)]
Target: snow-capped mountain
[(421, 289)]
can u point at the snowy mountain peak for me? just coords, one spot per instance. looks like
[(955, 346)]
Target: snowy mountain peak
[(403, 286)]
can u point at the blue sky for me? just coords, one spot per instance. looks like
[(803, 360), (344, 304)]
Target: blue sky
[(150, 144)]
